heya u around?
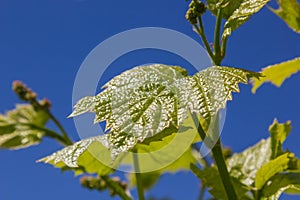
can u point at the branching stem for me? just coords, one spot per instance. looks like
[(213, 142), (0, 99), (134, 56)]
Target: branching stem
[(200, 31), (49, 133), (218, 56)]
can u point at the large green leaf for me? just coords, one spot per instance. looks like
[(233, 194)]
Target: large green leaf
[(279, 164), (91, 156), (142, 102), (211, 178), (278, 133), (277, 73), (286, 182), (22, 127), (289, 11), (240, 15)]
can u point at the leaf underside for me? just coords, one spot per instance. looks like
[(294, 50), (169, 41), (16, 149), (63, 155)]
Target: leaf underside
[(143, 104)]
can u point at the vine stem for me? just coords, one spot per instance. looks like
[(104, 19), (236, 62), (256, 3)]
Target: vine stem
[(139, 183), (60, 127), (200, 31), (49, 133), (218, 54), (219, 160), (37, 104)]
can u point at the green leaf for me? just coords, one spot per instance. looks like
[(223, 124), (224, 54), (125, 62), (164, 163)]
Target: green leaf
[(141, 103), (137, 104), (92, 155), (227, 6), (22, 127), (88, 155), (279, 164), (83, 105), (245, 165), (209, 90), (240, 15), (286, 182), (289, 11), (170, 154), (277, 73), (278, 133), (211, 178)]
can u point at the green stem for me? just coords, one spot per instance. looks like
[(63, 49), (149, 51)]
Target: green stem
[(139, 183), (219, 160), (200, 31), (224, 47), (218, 56), (37, 104), (49, 133), (224, 174), (116, 187), (202, 192), (60, 127)]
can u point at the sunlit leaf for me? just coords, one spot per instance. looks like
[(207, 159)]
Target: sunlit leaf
[(277, 73), (209, 90), (278, 133), (286, 182), (85, 104), (279, 164), (227, 6), (88, 155), (22, 127), (289, 11), (240, 15), (142, 102), (170, 154), (245, 165)]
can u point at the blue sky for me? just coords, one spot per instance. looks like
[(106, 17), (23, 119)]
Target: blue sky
[(44, 42)]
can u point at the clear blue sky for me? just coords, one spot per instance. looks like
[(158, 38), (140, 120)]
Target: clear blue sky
[(43, 43)]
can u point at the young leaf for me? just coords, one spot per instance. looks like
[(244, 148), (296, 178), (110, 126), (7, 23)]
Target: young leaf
[(22, 127), (286, 182), (144, 101), (277, 74), (240, 15), (244, 166), (271, 168), (227, 6), (289, 11), (278, 133)]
